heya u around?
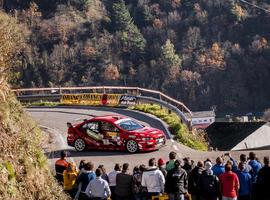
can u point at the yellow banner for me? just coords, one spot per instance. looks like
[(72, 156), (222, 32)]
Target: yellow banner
[(92, 99)]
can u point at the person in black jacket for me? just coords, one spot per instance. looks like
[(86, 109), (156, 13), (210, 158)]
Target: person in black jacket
[(263, 181), (208, 185), (124, 183), (176, 184), (193, 181)]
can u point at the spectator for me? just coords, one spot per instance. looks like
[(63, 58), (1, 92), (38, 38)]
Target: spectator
[(243, 159), (194, 179), (69, 176), (81, 165), (81, 170), (153, 179), (112, 179), (170, 163), (176, 184), (124, 182), (104, 174), (245, 182), (85, 178), (255, 165), (208, 184), (218, 168), (263, 181), (60, 166), (161, 166), (98, 188), (232, 161), (229, 184), (138, 190), (187, 165)]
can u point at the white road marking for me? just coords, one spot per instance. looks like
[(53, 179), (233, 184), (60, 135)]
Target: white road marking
[(172, 140)]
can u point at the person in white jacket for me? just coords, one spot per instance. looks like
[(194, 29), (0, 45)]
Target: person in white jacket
[(153, 179)]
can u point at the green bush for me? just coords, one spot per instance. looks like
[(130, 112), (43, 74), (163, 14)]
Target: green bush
[(178, 129)]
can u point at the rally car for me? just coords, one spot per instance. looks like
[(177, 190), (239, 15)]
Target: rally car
[(114, 133)]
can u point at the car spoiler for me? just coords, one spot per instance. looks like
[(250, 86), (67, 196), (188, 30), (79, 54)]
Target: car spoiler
[(70, 124)]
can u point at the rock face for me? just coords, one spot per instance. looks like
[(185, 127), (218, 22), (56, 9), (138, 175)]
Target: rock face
[(238, 135)]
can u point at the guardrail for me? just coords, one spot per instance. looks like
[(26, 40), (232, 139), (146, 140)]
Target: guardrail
[(55, 93)]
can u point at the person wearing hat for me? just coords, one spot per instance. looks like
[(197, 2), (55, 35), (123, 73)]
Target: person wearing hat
[(176, 183), (208, 184), (60, 166), (161, 166)]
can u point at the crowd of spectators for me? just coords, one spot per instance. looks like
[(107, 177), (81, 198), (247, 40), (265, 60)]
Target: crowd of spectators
[(175, 179)]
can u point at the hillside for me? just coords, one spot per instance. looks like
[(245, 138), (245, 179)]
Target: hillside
[(206, 53), (24, 172)]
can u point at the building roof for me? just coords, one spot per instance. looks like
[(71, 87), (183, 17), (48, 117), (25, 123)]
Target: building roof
[(201, 114)]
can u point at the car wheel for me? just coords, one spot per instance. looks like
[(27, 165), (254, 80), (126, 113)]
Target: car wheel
[(132, 146), (79, 144)]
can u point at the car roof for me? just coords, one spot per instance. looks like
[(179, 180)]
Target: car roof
[(110, 118)]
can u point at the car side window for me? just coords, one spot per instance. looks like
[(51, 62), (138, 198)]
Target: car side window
[(93, 126), (106, 126)]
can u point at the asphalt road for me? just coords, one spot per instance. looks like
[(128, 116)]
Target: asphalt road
[(53, 120)]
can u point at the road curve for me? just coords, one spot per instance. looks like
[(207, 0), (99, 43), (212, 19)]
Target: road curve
[(54, 121)]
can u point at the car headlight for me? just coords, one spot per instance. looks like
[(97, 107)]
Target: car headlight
[(146, 138)]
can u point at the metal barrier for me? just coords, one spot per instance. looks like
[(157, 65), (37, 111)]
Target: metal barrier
[(143, 95)]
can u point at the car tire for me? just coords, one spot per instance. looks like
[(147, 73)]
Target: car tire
[(79, 144), (132, 146)]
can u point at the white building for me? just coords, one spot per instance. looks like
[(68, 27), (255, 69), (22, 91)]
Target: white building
[(202, 119)]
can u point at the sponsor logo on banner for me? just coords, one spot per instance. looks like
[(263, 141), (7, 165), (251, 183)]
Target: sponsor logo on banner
[(92, 99), (127, 100)]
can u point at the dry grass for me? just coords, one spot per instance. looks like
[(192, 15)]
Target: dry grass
[(24, 173)]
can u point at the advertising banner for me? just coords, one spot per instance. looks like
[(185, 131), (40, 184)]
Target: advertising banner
[(93, 99), (96, 99), (128, 100)]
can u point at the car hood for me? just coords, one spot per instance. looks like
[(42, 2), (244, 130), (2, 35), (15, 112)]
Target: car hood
[(148, 132)]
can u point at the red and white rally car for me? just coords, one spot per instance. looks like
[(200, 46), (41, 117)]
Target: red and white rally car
[(114, 133)]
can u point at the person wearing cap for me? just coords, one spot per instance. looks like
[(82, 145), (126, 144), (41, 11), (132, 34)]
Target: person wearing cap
[(161, 166), (153, 180), (208, 184), (176, 184), (60, 166)]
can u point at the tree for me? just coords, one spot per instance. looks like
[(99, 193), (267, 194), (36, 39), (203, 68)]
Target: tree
[(11, 43), (132, 39), (121, 18), (169, 56), (111, 73)]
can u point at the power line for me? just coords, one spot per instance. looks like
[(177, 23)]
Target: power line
[(256, 6)]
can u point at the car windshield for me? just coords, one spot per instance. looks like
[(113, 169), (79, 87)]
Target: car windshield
[(130, 125)]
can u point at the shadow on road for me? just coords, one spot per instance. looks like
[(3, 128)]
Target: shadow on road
[(73, 153)]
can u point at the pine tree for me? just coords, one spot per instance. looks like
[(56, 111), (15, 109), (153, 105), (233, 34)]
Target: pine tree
[(169, 55)]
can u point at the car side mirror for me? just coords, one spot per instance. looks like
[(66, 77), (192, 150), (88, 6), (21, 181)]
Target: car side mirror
[(69, 125)]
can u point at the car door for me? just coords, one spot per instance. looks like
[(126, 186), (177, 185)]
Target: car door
[(111, 134), (92, 132)]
